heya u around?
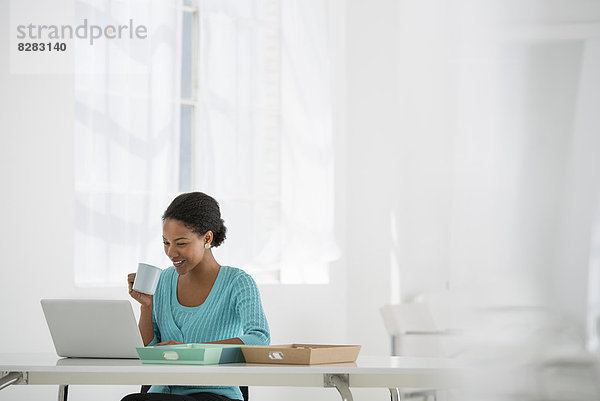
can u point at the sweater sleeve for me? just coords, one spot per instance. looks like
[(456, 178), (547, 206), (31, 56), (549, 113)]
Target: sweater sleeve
[(249, 307)]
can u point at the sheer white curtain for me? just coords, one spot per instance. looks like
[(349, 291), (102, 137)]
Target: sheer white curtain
[(264, 142), (126, 138)]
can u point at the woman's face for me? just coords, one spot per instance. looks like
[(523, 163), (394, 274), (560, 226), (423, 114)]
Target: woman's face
[(184, 247)]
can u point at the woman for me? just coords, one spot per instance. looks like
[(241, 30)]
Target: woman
[(198, 300)]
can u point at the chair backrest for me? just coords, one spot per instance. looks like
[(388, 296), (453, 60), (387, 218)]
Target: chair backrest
[(403, 318), (422, 329), (244, 390)]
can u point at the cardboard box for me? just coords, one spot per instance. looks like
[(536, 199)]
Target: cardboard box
[(301, 354)]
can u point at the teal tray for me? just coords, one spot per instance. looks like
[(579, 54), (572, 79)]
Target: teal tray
[(191, 354)]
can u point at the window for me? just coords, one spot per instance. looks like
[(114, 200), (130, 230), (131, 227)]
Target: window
[(233, 99), (126, 146)]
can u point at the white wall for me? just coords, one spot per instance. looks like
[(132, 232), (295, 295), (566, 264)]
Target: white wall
[(373, 141)]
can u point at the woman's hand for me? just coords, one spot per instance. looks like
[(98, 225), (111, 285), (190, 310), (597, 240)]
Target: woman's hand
[(144, 299), (170, 342)]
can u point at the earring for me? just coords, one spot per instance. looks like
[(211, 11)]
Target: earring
[(207, 246)]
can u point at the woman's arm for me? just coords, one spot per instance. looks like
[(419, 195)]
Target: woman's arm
[(234, 340), (248, 306), (146, 301), (145, 324), (228, 341)]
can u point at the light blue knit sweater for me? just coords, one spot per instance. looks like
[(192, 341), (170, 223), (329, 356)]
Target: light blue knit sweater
[(232, 309)]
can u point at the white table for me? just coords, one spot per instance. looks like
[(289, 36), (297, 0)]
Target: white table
[(393, 373)]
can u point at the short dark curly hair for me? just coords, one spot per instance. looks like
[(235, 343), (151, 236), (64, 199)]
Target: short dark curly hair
[(200, 213)]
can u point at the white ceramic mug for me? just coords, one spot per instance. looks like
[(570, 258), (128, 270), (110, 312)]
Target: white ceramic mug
[(146, 278)]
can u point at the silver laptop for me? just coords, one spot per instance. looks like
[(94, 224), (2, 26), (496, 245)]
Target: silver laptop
[(84, 328)]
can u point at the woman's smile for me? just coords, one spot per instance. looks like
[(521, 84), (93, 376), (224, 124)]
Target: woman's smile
[(178, 263)]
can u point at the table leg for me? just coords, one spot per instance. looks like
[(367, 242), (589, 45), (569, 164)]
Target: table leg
[(425, 395), (10, 378), (341, 382), (63, 392)]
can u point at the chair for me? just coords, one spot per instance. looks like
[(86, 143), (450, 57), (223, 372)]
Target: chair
[(243, 389), (413, 333)]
